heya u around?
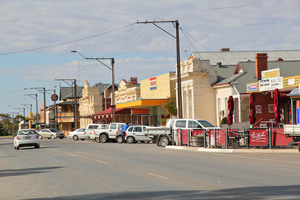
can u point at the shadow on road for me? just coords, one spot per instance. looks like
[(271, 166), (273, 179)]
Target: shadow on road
[(21, 172), (269, 192)]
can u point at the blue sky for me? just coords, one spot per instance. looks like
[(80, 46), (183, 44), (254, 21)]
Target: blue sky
[(140, 50)]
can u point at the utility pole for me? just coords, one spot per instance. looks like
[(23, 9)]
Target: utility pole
[(74, 87), (36, 103), (179, 92), (42, 90), (30, 107), (13, 124), (112, 68)]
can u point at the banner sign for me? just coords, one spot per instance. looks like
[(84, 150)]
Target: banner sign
[(271, 84), (272, 73), (153, 83), (258, 137), (140, 111)]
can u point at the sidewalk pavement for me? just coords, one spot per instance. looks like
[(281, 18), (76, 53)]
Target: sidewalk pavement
[(244, 150)]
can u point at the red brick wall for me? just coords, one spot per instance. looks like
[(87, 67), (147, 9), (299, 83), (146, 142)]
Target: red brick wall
[(264, 100)]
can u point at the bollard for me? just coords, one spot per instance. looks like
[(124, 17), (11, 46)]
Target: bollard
[(215, 134), (204, 139), (226, 139), (299, 146), (189, 137), (180, 137), (270, 138)]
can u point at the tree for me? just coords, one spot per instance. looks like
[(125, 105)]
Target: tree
[(8, 124), (170, 107)]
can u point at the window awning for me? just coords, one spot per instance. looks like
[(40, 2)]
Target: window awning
[(109, 112), (142, 103)]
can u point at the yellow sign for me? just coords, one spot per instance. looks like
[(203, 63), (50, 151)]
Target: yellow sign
[(270, 73)]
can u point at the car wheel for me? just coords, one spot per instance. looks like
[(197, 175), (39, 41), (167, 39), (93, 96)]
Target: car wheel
[(52, 137), (164, 141), (75, 137), (41, 137), (120, 139), (37, 146), (103, 138), (130, 140), (97, 139), (17, 147)]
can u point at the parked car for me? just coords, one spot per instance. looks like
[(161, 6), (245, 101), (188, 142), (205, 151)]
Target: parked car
[(90, 129), (51, 133), (93, 132), (135, 134), (77, 134), (26, 137), (110, 133)]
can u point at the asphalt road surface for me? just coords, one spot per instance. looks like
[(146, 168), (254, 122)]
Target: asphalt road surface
[(67, 169)]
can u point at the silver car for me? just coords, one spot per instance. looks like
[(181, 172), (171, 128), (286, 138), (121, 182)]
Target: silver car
[(136, 133), (51, 133), (77, 134), (25, 138)]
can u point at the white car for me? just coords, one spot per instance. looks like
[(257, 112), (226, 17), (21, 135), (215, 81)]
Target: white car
[(136, 133), (77, 134), (26, 137)]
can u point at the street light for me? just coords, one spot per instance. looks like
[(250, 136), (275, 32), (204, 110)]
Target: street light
[(42, 90), (21, 109), (112, 79), (36, 104)]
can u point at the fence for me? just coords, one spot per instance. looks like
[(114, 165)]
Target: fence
[(232, 138)]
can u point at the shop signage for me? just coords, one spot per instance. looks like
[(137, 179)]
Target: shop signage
[(153, 83), (140, 111), (271, 84), (272, 73), (133, 80), (258, 137), (252, 87)]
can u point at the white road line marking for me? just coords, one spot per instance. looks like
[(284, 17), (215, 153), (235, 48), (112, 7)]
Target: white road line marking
[(72, 154), (100, 161), (156, 175)]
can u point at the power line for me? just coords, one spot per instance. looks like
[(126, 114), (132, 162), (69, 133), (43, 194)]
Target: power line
[(64, 43)]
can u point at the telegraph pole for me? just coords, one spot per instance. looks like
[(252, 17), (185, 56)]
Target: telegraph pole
[(112, 68), (42, 90), (36, 102), (179, 92)]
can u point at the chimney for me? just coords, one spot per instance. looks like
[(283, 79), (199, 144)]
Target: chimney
[(261, 64), (224, 49)]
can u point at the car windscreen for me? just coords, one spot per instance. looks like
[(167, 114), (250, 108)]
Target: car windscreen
[(205, 123), (27, 132), (53, 130)]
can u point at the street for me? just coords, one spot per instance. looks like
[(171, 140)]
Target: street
[(67, 169)]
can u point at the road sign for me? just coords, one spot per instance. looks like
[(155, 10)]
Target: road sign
[(54, 97)]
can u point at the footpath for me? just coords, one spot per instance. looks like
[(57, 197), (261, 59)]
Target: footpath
[(243, 150)]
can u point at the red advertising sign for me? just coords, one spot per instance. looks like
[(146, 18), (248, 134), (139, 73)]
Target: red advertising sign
[(153, 83), (140, 111), (258, 137)]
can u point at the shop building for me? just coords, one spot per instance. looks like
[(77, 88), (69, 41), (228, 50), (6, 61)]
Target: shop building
[(272, 75), (218, 75), (92, 101), (147, 109)]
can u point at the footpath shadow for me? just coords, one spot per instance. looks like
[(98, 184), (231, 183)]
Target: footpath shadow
[(21, 172), (267, 192)]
